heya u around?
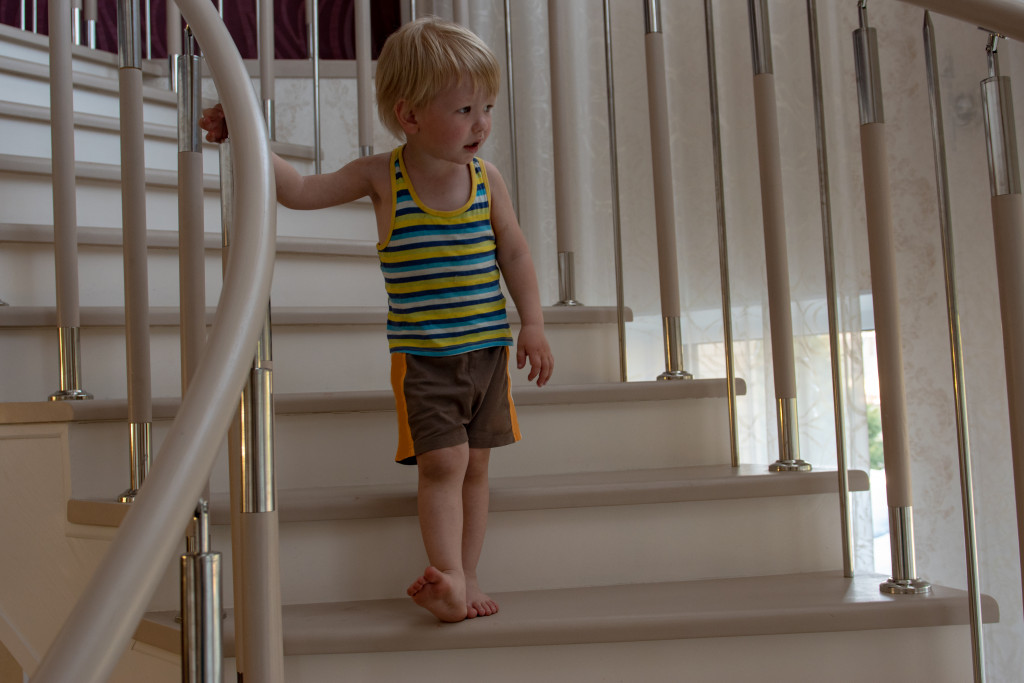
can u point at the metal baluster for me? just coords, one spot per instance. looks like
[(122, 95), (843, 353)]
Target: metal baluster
[(265, 28), (65, 221), (956, 349), (845, 520), (565, 41), (136, 272), (201, 641), (90, 23), (364, 81), (613, 164), (313, 27), (776, 253), (77, 35), (885, 296), (723, 243), (511, 107)]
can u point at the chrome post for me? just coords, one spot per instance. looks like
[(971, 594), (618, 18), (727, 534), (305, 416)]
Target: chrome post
[(201, 605), (904, 579), (511, 107), (789, 439), (567, 280), (258, 489), (672, 329), (69, 348), (265, 31), (884, 292), (90, 23), (313, 27), (149, 29), (613, 162), (140, 447), (23, 20), (77, 34), (364, 77), (956, 350), (35, 16), (1004, 172), (723, 244), (831, 294)]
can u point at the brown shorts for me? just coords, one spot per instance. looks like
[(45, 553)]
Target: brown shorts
[(445, 401)]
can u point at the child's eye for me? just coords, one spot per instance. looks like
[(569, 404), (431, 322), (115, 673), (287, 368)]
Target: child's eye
[(465, 110), (489, 108)]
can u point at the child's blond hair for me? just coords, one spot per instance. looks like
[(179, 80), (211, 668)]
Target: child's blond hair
[(426, 56)]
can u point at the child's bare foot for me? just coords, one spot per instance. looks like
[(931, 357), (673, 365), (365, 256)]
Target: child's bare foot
[(478, 603), (440, 593)]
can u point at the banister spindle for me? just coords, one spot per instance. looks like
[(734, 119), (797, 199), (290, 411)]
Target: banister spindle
[(664, 202), (77, 34), (313, 31), (776, 251), (956, 350), (201, 641), (90, 23), (565, 40), (835, 353), (1008, 225), (364, 79), (265, 19), (884, 294), (723, 241), (65, 220), (136, 272)]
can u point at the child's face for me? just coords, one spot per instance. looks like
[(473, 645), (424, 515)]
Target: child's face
[(455, 125)]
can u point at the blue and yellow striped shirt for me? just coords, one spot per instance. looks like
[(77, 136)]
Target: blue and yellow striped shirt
[(441, 273)]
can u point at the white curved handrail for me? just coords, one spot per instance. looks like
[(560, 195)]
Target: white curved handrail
[(1005, 17), (99, 628)]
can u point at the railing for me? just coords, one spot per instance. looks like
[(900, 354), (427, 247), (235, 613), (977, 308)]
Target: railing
[(101, 624)]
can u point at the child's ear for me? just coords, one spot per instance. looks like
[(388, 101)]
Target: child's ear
[(406, 116)]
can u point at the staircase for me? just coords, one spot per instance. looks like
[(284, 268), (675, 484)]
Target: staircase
[(622, 547)]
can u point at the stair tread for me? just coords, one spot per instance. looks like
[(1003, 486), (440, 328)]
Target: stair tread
[(27, 233), (710, 608), (153, 130), (538, 492), (163, 316), (101, 410)]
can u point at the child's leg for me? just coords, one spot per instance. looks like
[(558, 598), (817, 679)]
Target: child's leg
[(442, 588), (475, 500)]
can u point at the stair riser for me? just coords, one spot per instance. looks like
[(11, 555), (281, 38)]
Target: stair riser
[(377, 559), (27, 278), (323, 358), (29, 199), (29, 90), (32, 138), (358, 448), (937, 655)]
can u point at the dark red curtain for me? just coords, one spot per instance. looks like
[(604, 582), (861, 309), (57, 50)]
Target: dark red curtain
[(337, 19)]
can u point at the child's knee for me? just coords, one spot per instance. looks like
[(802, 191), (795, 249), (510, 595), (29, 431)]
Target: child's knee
[(444, 464)]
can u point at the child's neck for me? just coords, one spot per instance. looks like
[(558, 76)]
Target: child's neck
[(441, 185)]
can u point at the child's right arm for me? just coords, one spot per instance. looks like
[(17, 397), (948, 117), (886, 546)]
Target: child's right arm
[(295, 191)]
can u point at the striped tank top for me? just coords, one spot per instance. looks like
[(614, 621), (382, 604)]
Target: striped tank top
[(441, 273)]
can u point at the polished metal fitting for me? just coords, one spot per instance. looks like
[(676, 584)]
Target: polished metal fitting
[(901, 534), (760, 36), (789, 439)]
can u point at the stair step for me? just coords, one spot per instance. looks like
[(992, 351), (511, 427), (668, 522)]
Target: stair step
[(583, 338), (549, 492), (97, 138), (27, 196), (749, 606)]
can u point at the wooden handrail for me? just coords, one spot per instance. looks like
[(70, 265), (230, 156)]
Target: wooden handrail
[(100, 626)]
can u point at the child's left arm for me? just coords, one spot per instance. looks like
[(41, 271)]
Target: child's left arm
[(516, 266)]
